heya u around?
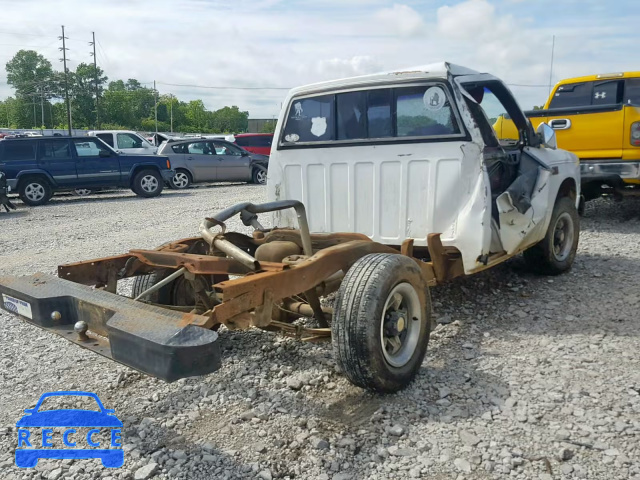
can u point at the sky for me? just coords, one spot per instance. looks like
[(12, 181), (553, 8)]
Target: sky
[(268, 46)]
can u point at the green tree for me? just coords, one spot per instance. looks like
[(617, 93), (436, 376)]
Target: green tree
[(269, 127), (83, 94), (29, 72), (230, 120)]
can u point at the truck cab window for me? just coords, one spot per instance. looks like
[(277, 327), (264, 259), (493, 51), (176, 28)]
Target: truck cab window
[(424, 111), (607, 93), (632, 92), (572, 95)]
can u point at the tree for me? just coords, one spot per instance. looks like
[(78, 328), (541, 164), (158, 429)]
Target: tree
[(83, 92), (230, 120), (269, 127), (29, 72)]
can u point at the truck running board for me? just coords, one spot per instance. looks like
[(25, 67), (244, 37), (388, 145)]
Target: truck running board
[(153, 340)]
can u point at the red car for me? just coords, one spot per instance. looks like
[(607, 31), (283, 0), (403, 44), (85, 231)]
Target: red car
[(255, 142)]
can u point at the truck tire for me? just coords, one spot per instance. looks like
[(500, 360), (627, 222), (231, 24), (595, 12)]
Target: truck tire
[(147, 183), (381, 325), (555, 253), (35, 191), (259, 175)]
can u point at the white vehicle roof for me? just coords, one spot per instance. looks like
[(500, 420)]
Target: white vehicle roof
[(439, 70), (95, 132)]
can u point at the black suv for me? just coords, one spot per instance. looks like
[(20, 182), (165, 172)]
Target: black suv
[(38, 167)]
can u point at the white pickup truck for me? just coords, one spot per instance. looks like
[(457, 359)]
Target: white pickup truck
[(380, 187)]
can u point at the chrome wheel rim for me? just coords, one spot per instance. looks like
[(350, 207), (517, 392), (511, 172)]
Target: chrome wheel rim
[(180, 180), (261, 177), (563, 235), (34, 192), (400, 325), (149, 183), (82, 192)]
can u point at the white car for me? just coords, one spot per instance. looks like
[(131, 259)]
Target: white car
[(125, 141)]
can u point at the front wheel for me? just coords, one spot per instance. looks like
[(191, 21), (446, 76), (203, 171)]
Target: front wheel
[(147, 183), (35, 191), (381, 324), (259, 176), (555, 253)]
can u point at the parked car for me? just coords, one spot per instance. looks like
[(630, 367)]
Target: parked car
[(213, 160), (597, 117), (39, 166), (125, 141), (255, 142)]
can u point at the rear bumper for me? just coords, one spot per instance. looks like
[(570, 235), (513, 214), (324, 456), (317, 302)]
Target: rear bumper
[(153, 340), (616, 171)]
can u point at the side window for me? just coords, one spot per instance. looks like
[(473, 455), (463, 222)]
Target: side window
[(424, 111), (310, 120), (607, 93), (55, 149), (262, 141), (19, 151), (222, 148), (180, 148), (200, 148), (245, 141), (89, 148), (127, 140), (351, 115), (379, 113), (632, 92), (572, 95), (106, 138)]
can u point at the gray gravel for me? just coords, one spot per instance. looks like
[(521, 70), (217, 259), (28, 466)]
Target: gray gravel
[(526, 376)]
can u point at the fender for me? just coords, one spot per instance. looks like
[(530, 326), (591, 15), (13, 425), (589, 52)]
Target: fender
[(36, 171)]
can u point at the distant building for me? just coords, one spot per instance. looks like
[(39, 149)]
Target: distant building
[(256, 124)]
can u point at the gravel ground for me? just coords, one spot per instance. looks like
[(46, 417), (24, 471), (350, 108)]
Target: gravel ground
[(526, 376)]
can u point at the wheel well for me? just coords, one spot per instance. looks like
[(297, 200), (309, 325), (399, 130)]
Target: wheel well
[(185, 170), (568, 189), (139, 169), (26, 177)]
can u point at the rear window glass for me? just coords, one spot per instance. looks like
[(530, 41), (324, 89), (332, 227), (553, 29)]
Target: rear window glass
[(632, 92), (572, 95), (106, 138), (19, 151), (55, 149), (423, 111), (310, 120)]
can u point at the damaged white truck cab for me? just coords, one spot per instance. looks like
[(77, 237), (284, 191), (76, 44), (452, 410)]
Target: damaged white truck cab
[(405, 154)]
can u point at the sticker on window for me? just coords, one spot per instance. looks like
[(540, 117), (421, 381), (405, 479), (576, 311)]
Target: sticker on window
[(292, 137), (298, 108), (434, 98), (318, 126)]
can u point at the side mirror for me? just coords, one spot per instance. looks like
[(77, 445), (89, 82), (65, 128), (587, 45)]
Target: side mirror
[(104, 154), (547, 136), (245, 154)]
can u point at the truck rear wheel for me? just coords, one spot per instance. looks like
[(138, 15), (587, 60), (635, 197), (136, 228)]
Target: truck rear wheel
[(381, 324), (555, 253), (177, 293), (147, 183), (35, 191)]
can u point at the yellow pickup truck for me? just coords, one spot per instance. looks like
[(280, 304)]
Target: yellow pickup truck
[(597, 117)]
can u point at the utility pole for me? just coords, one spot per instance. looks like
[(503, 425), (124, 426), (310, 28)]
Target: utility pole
[(66, 80), (171, 110), (553, 46), (155, 97), (42, 111), (95, 70), (35, 121)]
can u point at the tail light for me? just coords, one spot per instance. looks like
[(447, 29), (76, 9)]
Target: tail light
[(635, 134)]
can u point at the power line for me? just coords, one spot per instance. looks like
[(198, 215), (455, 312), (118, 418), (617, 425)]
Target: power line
[(223, 88)]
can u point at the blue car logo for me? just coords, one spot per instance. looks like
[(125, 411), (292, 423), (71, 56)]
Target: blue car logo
[(36, 436)]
